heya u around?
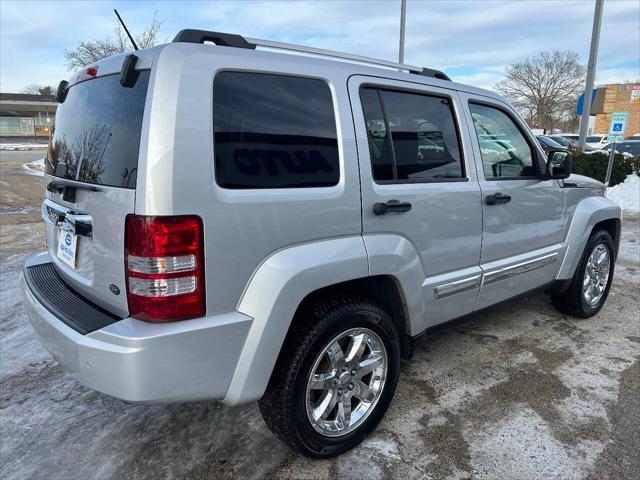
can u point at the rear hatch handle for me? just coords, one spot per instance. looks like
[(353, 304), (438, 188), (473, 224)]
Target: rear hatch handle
[(67, 219)]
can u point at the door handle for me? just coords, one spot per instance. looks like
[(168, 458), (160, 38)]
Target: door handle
[(498, 199), (392, 206)]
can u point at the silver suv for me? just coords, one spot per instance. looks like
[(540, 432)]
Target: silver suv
[(228, 222)]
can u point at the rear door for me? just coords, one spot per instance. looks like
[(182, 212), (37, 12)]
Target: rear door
[(90, 181), (412, 152), (522, 212)]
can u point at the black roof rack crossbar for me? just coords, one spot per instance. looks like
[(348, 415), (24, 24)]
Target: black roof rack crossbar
[(232, 40), (223, 39)]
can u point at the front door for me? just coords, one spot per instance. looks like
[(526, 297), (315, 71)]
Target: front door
[(421, 201), (522, 212)]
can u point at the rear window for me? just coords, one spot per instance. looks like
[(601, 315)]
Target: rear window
[(562, 141), (96, 134), (274, 131), (549, 142)]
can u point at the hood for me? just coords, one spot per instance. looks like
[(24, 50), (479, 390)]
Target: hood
[(581, 181)]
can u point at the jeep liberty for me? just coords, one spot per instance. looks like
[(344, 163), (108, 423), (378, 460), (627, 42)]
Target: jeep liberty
[(226, 220)]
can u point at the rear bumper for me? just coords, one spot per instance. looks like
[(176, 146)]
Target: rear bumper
[(144, 362)]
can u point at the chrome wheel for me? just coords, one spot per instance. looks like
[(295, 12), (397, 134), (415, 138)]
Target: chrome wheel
[(346, 382), (596, 274)]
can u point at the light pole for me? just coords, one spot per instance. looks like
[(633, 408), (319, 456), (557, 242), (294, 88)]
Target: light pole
[(591, 74), (403, 18)]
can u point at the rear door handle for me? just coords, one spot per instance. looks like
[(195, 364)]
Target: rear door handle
[(498, 199), (392, 206)]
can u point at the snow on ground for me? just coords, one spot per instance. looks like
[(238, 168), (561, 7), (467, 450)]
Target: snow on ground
[(627, 193), (16, 342), (35, 168), (22, 146)]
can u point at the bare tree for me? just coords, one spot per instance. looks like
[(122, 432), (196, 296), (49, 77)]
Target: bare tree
[(36, 89), (545, 88), (90, 52)]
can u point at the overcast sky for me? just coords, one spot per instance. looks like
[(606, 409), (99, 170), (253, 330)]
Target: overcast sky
[(470, 40)]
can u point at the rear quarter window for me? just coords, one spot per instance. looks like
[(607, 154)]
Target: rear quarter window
[(274, 131)]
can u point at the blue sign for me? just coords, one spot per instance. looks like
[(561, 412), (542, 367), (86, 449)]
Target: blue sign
[(617, 127), (581, 101)]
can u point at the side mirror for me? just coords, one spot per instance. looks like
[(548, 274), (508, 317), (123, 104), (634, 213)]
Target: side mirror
[(559, 164)]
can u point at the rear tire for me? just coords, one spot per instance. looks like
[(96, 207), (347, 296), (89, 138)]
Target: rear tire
[(313, 400), (591, 282)]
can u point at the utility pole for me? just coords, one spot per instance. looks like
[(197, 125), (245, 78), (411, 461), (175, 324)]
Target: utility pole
[(591, 74), (403, 18)]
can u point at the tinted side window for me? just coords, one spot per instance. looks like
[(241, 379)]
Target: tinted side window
[(274, 131), (504, 149), (420, 131)]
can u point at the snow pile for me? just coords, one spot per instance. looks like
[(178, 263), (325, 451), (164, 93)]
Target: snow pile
[(22, 146), (627, 193), (35, 168)]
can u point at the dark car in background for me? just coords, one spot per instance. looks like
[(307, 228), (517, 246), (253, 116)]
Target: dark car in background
[(548, 143), (631, 147)]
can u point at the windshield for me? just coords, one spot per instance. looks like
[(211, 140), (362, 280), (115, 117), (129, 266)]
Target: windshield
[(96, 134), (594, 138)]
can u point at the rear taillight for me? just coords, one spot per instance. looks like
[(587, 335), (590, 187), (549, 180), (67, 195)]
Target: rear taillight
[(164, 267)]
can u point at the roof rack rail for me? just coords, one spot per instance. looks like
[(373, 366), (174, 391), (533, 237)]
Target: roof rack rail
[(430, 72), (238, 41), (223, 39)]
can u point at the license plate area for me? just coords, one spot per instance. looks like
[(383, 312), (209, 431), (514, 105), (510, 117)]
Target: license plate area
[(67, 247)]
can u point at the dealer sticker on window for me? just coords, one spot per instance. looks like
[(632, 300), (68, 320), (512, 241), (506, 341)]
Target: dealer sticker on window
[(67, 242)]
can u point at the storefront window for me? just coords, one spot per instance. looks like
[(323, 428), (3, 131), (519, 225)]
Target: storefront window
[(10, 126)]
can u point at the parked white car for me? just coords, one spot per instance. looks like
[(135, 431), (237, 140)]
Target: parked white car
[(597, 141)]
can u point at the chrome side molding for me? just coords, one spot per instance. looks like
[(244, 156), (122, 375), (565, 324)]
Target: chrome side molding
[(458, 286), (469, 283), (519, 268)]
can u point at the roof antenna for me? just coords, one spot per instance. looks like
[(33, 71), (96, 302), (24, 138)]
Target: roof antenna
[(135, 47)]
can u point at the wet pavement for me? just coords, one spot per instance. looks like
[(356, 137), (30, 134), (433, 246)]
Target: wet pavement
[(518, 391)]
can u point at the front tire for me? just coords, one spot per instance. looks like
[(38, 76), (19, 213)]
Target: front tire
[(591, 282), (334, 379)]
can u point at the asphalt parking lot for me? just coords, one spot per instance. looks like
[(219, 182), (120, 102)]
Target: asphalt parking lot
[(518, 391)]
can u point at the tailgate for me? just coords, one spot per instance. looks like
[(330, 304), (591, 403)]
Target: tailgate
[(90, 180), (98, 218)]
